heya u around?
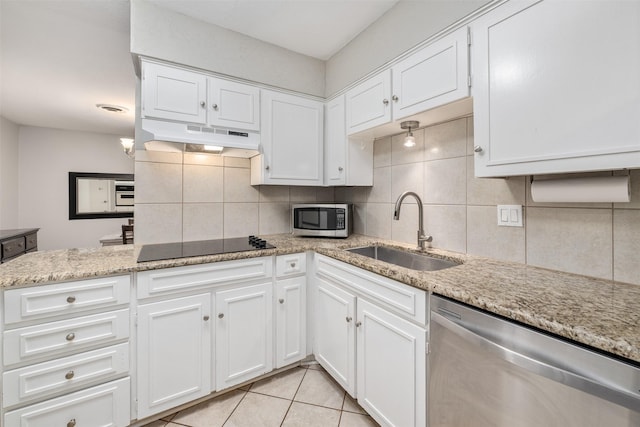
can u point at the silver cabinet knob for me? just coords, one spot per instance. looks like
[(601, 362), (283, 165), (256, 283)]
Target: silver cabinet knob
[(71, 299), (477, 149), (340, 168), (358, 324), (69, 375), (205, 318), (71, 336), (203, 104), (267, 167), (214, 106), (281, 300), (395, 98), (349, 319), (72, 423), (385, 101), (220, 316)]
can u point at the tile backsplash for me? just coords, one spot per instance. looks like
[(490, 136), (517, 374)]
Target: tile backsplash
[(594, 239), (187, 196)]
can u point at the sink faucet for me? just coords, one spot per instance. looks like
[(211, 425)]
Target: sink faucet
[(422, 239)]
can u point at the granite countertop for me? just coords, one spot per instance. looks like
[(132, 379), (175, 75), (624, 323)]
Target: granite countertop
[(599, 313)]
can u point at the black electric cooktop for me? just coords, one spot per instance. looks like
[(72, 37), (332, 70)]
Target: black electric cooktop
[(162, 251)]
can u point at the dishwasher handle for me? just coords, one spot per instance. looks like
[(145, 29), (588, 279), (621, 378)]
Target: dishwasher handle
[(618, 396)]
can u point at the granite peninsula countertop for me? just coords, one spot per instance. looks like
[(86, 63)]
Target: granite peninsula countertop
[(599, 313)]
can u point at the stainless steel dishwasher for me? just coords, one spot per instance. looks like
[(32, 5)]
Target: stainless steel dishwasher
[(485, 371)]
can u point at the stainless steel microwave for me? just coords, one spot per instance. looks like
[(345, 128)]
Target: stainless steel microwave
[(325, 220)]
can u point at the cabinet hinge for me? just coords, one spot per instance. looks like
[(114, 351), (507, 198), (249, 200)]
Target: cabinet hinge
[(468, 36), (469, 81), (426, 347)]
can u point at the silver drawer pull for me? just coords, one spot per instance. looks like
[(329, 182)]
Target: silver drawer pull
[(293, 265), (71, 336), (220, 316), (349, 319), (72, 423), (281, 300), (69, 375), (71, 299)]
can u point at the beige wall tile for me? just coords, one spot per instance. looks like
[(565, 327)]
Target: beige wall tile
[(494, 191), (342, 194), (236, 162), (241, 219), (158, 223), (626, 241), (324, 194), (237, 186), (158, 182), (159, 156), (203, 159), (445, 181), (406, 228), (381, 190), (275, 218), (470, 136), (359, 218), (378, 220), (202, 184), (274, 193), (302, 194), (485, 238), (446, 140), (408, 177), (401, 155), (202, 221), (448, 226), (635, 190), (382, 152), (573, 240)]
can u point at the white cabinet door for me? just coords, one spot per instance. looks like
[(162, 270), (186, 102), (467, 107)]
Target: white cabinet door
[(550, 93), (431, 77), (174, 353), (392, 369), (292, 141), (369, 103), (291, 320), (244, 343), (335, 142), (233, 105), (173, 93), (335, 336)]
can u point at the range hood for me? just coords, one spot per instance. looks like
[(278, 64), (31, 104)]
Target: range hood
[(156, 133)]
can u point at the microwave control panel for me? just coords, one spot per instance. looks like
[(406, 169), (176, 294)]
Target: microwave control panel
[(340, 213)]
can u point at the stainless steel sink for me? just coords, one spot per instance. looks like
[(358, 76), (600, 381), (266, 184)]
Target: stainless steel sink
[(402, 258)]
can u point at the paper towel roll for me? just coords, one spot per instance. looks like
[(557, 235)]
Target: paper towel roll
[(606, 189)]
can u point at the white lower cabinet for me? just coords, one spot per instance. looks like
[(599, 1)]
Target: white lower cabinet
[(374, 353), (174, 352), (291, 320), (243, 334)]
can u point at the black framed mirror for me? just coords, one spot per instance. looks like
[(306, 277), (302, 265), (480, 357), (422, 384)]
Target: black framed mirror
[(100, 195)]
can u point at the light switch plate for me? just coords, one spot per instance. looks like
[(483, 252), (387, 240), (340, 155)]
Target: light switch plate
[(510, 215)]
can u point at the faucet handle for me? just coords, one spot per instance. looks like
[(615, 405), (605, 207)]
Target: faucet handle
[(422, 239)]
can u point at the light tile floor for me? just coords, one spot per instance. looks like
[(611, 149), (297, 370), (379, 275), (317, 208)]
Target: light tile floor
[(304, 397)]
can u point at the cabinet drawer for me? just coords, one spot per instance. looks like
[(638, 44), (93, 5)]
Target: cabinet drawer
[(64, 337), (159, 282), (289, 265), (13, 247), (51, 300), (104, 405), (31, 241), (65, 374), (403, 299)]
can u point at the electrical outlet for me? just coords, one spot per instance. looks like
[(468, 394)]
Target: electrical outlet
[(510, 215)]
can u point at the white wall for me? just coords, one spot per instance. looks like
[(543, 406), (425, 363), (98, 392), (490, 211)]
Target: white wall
[(46, 156), (8, 174), (171, 36), (405, 25)]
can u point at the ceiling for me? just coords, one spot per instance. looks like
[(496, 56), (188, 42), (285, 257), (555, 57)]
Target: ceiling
[(62, 57)]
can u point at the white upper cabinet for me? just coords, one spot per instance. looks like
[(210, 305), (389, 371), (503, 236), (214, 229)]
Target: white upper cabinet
[(433, 76), (335, 142), (292, 141), (233, 105), (369, 103), (173, 93), (556, 87), (184, 95)]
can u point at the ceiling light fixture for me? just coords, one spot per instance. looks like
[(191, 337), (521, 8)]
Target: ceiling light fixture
[(113, 108), (127, 144), (409, 140)]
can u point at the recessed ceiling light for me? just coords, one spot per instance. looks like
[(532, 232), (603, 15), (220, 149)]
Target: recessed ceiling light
[(112, 108)]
